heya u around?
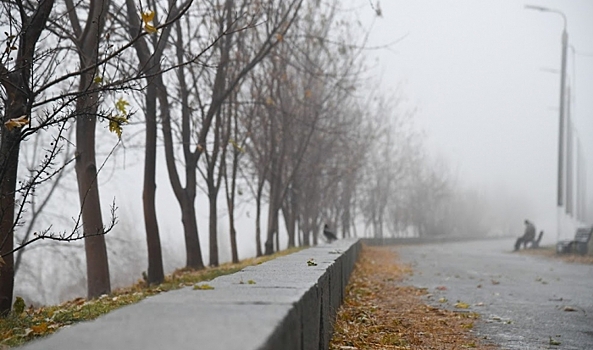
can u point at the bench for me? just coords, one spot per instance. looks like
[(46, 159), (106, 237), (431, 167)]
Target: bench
[(535, 243), (578, 245)]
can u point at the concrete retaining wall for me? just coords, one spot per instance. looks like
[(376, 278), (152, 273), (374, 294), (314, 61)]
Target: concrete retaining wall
[(281, 304), (423, 240)]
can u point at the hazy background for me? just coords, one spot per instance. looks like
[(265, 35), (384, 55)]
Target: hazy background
[(483, 79), (484, 76)]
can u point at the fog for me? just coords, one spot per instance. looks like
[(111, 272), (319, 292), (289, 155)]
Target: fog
[(484, 76), (482, 79)]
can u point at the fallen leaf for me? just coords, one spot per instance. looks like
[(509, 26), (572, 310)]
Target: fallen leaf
[(554, 342), (251, 282), (441, 288), (203, 287), (495, 282), (468, 325), (569, 308), (19, 306), (311, 262), (40, 329), (462, 305)]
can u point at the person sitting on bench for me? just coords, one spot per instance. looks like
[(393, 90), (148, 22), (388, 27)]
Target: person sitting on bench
[(527, 237)]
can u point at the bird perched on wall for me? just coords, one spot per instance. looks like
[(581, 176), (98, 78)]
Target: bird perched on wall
[(330, 236)]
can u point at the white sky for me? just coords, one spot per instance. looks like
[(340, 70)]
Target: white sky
[(476, 71)]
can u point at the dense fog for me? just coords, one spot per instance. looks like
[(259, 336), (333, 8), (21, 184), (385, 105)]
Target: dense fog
[(391, 119)]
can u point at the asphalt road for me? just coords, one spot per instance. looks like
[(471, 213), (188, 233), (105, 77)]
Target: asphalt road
[(525, 302)]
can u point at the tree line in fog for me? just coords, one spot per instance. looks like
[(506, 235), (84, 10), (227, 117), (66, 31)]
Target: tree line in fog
[(267, 104)]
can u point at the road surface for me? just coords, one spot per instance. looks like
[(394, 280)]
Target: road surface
[(525, 302)]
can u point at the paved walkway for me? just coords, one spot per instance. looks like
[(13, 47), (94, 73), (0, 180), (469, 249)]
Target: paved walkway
[(524, 300)]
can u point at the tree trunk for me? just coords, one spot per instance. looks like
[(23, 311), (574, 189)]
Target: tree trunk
[(155, 274), (9, 158), (306, 232), (231, 209), (273, 208), (213, 227), (86, 171), (233, 233), (260, 187), (18, 99), (269, 245), (190, 231), (185, 196)]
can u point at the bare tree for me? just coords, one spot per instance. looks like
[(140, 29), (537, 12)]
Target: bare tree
[(203, 92), (302, 86), (87, 40), (18, 99), (150, 61)]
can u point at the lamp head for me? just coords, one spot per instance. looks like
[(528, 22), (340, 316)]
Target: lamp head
[(538, 8)]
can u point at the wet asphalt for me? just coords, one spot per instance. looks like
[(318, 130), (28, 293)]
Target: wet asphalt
[(525, 302)]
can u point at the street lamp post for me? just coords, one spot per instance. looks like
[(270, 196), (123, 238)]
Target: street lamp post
[(560, 190)]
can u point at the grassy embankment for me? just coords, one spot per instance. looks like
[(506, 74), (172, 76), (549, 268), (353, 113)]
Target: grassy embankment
[(25, 324)]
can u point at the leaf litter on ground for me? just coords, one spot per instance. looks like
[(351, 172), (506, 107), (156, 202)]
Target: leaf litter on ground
[(380, 313)]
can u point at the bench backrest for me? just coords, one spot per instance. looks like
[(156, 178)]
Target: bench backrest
[(583, 234)]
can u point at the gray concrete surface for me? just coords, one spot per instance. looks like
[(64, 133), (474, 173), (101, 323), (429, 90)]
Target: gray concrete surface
[(523, 300), (288, 305)]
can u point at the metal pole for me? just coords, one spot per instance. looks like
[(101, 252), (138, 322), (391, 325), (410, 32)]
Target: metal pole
[(560, 192), (560, 201), (569, 157)]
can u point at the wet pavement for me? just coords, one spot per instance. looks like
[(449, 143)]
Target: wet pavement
[(525, 302)]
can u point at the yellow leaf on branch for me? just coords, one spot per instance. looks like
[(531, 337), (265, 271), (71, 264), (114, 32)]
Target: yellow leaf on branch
[(115, 123), (16, 122), (121, 105), (236, 146), (150, 28), (147, 18)]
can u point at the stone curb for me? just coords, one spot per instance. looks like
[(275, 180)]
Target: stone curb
[(285, 303), (424, 240)]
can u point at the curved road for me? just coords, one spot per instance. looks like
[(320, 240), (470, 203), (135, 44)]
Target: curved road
[(526, 302)]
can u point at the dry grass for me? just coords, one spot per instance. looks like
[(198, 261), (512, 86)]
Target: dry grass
[(550, 252), (378, 313)]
